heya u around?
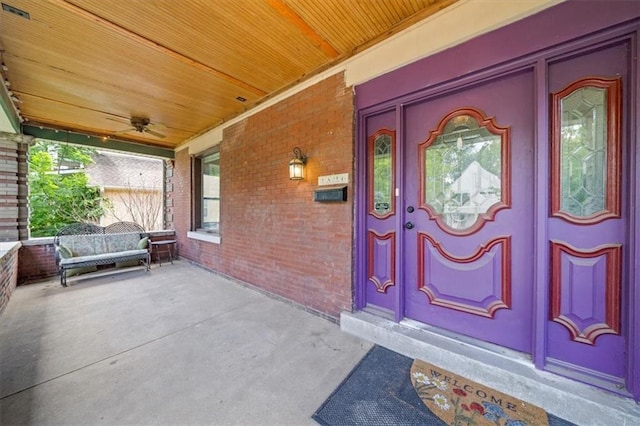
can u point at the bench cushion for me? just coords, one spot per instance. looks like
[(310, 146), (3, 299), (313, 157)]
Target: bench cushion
[(121, 242), (102, 259), (89, 245), (83, 245)]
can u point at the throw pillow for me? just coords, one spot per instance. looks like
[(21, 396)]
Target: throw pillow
[(143, 243), (64, 252)]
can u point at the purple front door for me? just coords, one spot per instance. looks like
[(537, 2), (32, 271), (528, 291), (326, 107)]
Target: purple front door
[(468, 218), (450, 226), (499, 200)]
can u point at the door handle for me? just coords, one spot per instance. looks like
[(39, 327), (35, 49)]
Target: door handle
[(408, 225)]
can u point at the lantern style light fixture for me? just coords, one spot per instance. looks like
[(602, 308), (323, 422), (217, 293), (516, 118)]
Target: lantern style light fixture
[(296, 165)]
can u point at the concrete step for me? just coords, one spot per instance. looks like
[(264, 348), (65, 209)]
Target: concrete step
[(502, 369)]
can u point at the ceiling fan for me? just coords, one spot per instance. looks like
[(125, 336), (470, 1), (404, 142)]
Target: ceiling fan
[(142, 125)]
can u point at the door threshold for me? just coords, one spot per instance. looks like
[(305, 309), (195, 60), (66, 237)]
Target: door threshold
[(503, 369)]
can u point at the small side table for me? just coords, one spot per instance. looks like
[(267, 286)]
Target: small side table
[(168, 246)]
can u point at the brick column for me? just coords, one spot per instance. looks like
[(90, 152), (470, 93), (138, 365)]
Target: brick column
[(8, 272), (168, 194), (14, 212)]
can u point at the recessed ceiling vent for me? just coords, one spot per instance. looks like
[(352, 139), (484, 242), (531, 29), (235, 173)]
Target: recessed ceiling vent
[(15, 11)]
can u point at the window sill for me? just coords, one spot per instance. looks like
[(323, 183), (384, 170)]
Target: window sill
[(204, 236)]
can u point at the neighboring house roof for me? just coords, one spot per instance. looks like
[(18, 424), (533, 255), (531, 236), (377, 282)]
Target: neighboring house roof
[(114, 170)]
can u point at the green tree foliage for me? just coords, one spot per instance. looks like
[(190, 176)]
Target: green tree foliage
[(58, 195)]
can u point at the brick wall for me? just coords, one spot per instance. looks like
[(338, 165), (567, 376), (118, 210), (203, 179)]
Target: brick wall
[(8, 272), (37, 260), (274, 236)]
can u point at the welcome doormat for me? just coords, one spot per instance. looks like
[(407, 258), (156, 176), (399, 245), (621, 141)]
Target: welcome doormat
[(459, 401), (380, 391)]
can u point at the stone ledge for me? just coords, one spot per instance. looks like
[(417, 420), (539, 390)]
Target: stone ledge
[(203, 236)]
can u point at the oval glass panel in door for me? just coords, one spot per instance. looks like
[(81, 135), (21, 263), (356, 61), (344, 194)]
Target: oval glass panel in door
[(465, 171), (381, 172)]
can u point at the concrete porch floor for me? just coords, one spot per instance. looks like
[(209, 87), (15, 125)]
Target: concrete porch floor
[(181, 345), (176, 345)]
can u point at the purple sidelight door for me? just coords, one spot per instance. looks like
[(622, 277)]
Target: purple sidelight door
[(381, 290), (468, 211), (588, 217)]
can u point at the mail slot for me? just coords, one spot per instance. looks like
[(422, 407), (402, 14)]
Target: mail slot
[(330, 194)]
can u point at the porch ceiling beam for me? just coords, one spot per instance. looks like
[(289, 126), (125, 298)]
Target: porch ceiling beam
[(95, 141), (306, 29), (85, 14)]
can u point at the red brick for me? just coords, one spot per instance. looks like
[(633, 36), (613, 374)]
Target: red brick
[(273, 234)]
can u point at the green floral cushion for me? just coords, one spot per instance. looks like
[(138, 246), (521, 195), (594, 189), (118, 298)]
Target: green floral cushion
[(83, 245), (121, 242), (64, 252)]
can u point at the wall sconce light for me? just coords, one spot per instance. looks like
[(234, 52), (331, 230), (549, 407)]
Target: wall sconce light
[(296, 165)]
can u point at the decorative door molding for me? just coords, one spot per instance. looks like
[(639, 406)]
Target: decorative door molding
[(577, 302), (381, 260), (490, 267)]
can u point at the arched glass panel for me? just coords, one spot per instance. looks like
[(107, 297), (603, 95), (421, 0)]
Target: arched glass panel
[(463, 169), (585, 151)]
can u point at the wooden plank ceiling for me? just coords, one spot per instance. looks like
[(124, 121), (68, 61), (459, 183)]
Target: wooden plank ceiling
[(186, 65)]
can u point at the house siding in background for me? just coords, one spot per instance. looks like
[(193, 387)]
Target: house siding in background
[(133, 185)]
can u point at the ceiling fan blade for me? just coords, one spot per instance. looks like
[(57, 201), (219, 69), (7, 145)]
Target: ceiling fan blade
[(119, 120), (124, 131), (156, 126), (154, 133)]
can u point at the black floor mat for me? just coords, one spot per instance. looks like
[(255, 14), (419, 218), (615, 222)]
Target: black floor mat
[(378, 391)]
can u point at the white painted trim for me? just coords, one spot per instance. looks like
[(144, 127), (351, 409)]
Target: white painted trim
[(450, 27), (38, 241), (203, 236), (205, 141)]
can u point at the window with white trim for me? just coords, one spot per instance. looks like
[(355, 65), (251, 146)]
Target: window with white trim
[(206, 193)]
